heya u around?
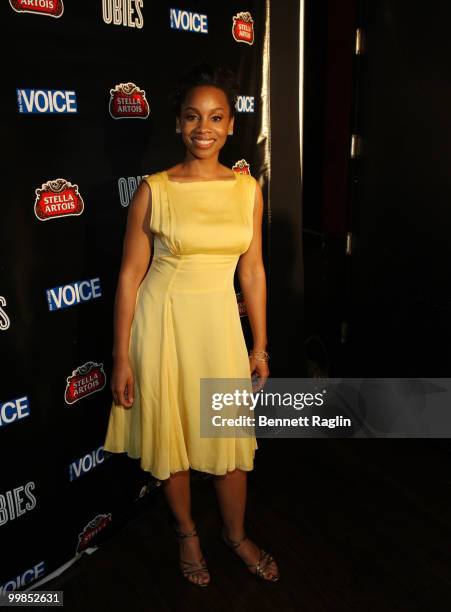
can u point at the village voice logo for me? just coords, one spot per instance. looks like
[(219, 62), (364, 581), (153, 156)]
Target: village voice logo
[(58, 198), (86, 463), (72, 294), (243, 28), (127, 101), (85, 380), (14, 410), (44, 101), (188, 21), (52, 8), (38, 570), (245, 104)]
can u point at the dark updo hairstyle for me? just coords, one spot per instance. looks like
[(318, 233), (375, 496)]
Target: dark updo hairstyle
[(205, 74)]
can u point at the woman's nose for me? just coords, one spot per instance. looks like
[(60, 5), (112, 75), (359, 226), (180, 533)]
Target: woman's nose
[(203, 124)]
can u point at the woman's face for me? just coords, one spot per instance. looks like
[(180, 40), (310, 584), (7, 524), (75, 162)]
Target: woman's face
[(205, 121)]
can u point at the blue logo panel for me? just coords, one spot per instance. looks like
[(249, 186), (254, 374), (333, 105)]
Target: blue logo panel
[(73, 293), (188, 21), (45, 101)]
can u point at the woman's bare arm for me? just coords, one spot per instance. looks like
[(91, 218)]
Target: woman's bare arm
[(252, 277), (137, 250)]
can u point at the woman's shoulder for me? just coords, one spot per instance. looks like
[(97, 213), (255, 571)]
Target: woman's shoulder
[(243, 176), (248, 179), (154, 176)]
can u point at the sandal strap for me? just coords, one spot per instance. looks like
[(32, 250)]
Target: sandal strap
[(264, 561), (187, 572), (179, 534), (190, 568), (193, 568)]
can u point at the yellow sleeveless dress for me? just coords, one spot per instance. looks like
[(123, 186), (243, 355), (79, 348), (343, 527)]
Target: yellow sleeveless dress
[(187, 326)]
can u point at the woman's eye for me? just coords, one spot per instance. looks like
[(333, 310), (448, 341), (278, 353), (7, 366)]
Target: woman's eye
[(217, 117), (189, 117)]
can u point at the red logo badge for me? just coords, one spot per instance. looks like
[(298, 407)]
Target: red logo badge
[(128, 100), (57, 198), (242, 167), (241, 304), (52, 8), (243, 28), (85, 380), (91, 530)]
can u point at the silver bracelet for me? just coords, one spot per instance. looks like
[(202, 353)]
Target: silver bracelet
[(259, 355)]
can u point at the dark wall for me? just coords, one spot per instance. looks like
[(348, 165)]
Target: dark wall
[(401, 216), (328, 102), (286, 297)]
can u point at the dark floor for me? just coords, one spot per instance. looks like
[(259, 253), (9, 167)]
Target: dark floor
[(355, 525)]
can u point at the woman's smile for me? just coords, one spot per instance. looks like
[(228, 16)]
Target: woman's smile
[(202, 142)]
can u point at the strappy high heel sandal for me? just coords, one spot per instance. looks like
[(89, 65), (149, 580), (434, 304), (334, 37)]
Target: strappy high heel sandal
[(263, 562), (190, 568)]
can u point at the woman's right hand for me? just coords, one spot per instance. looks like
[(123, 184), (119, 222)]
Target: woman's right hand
[(122, 384)]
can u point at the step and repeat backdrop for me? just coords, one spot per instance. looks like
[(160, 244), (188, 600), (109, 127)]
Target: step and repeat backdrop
[(85, 115)]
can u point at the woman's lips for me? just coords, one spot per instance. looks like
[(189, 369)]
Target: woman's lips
[(203, 143)]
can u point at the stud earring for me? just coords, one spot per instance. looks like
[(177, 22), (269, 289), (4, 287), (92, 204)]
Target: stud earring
[(230, 133), (178, 130)]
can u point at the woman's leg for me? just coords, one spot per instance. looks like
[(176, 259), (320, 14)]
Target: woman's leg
[(177, 492), (231, 491)]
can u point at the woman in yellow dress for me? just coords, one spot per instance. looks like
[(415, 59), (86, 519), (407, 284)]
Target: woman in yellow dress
[(177, 320)]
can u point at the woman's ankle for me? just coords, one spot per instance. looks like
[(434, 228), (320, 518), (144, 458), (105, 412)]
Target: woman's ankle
[(233, 532), (185, 525)]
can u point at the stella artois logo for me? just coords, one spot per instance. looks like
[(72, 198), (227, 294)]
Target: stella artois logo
[(91, 530), (85, 380), (57, 198), (128, 101), (243, 28), (52, 8), (241, 304), (242, 167)]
